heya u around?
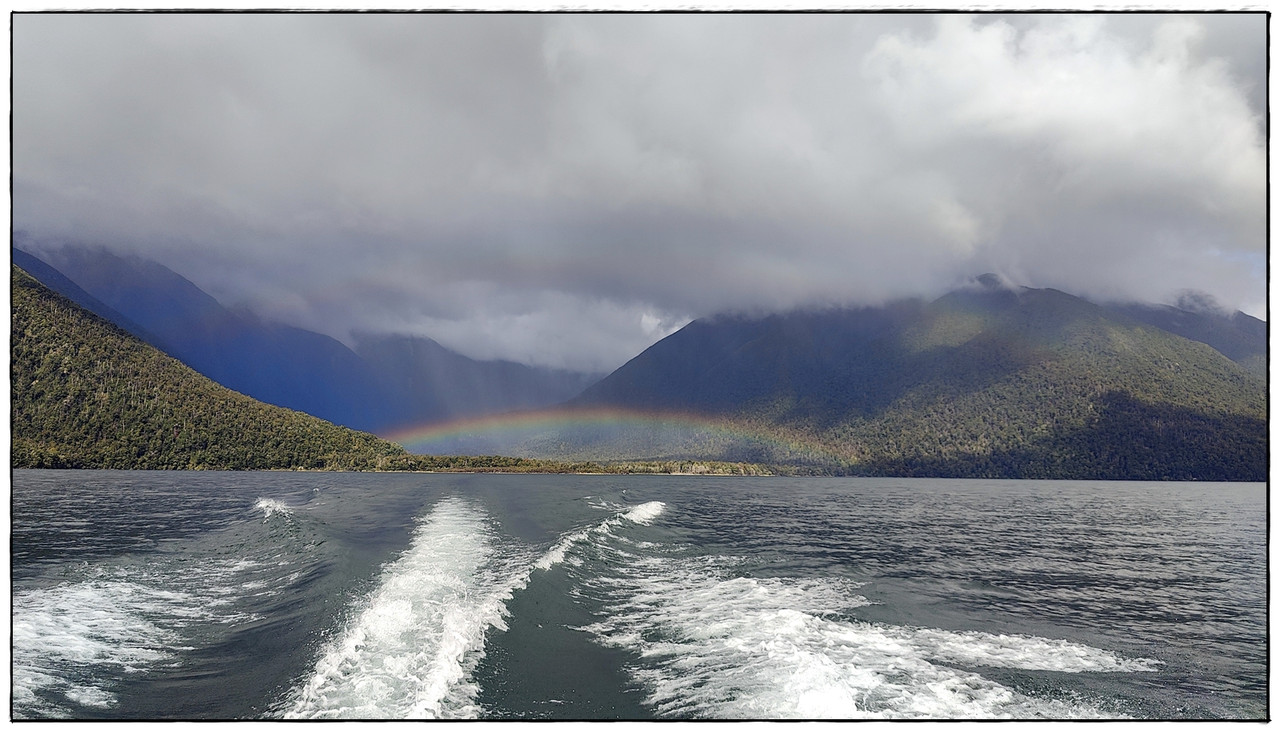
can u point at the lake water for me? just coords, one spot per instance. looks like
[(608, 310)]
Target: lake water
[(174, 595)]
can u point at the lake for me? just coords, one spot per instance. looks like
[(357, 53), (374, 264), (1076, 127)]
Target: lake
[(182, 595)]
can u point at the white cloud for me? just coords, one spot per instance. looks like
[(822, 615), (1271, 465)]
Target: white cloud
[(542, 187)]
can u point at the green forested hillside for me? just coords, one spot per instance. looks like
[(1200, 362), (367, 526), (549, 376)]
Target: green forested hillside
[(983, 382), (1053, 386), (89, 395)]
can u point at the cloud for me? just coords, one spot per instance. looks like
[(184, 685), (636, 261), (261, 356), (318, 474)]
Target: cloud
[(1104, 169), (550, 187)]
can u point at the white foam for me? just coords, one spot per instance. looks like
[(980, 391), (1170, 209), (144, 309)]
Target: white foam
[(556, 554), (646, 512), (410, 649), (713, 645), (973, 648), (91, 697), (271, 506), (641, 514), (73, 640), (66, 632)]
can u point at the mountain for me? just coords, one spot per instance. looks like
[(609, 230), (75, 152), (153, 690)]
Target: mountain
[(388, 383), (989, 380), (56, 281), (280, 365), (430, 379), (1240, 337), (87, 394)]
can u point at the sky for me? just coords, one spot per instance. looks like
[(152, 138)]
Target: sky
[(566, 189)]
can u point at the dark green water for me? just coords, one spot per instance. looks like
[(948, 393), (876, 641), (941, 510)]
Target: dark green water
[(167, 595)]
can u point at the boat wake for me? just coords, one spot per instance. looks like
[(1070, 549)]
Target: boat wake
[(709, 644), (79, 634), (412, 644), (703, 635), (74, 641)]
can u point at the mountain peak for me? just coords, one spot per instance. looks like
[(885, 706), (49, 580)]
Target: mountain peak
[(995, 282)]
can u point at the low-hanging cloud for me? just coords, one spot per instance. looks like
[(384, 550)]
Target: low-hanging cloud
[(564, 189)]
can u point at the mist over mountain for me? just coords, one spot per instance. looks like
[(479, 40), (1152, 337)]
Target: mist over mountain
[(433, 382), (860, 358), (388, 383), (58, 282)]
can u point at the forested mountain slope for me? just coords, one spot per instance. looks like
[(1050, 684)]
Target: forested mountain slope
[(1240, 337), (86, 394), (986, 381)]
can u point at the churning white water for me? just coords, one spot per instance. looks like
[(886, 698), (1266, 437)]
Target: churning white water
[(716, 645)]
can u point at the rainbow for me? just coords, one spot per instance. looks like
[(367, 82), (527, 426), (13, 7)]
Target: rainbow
[(513, 427)]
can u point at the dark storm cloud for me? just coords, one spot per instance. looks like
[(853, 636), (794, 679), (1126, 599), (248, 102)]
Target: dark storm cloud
[(565, 189)]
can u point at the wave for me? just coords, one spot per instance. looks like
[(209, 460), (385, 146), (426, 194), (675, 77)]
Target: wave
[(62, 634), (414, 640), (642, 514), (1029, 653), (712, 645)]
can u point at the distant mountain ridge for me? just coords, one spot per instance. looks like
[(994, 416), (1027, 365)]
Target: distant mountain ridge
[(988, 380), (388, 383)]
